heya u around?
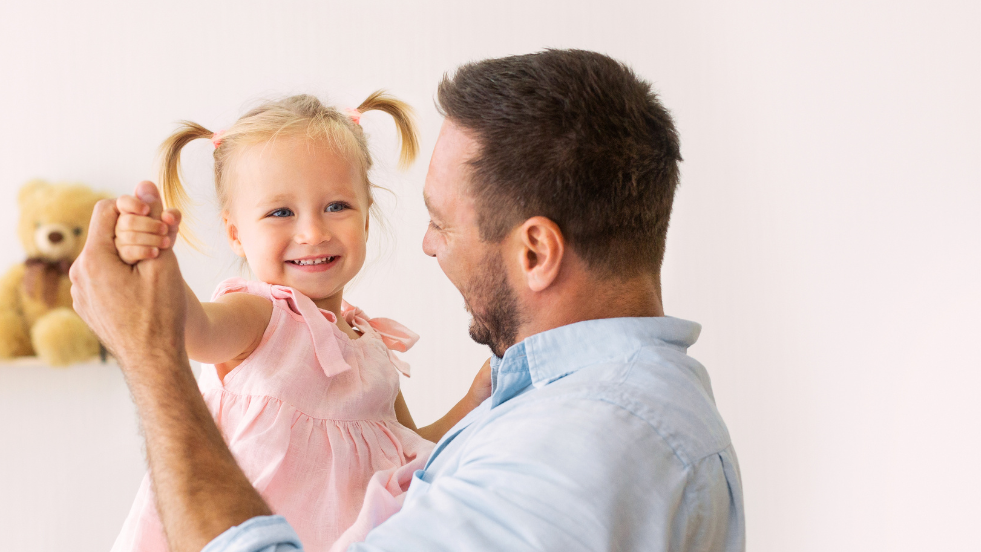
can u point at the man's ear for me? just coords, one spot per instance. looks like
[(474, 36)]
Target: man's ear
[(541, 251), (231, 232)]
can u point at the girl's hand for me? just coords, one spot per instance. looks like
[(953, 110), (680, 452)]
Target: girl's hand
[(141, 234), (480, 389)]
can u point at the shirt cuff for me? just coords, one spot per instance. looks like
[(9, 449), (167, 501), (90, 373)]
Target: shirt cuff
[(259, 534)]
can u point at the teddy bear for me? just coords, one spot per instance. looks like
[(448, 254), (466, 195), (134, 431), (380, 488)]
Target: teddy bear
[(36, 316)]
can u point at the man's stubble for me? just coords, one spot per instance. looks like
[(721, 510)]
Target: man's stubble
[(494, 306)]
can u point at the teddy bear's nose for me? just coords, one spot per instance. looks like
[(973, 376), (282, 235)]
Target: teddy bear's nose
[(55, 237)]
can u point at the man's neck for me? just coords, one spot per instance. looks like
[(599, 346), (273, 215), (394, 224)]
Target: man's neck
[(580, 299)]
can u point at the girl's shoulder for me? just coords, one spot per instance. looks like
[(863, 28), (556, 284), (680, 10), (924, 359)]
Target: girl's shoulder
[(284, 298), (241, 285), (247, 304)]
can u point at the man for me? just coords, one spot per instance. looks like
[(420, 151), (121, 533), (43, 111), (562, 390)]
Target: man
[(550, 191)]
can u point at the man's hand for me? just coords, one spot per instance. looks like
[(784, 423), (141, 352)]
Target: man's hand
[(139, 312), (479, 391)]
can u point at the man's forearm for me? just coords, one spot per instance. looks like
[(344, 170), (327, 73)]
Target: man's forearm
[(199, 488), (139, 313)]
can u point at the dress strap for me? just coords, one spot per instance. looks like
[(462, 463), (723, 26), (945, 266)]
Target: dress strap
[(394, 335), (319, 322)]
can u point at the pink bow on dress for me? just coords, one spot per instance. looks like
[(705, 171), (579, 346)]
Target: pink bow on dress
[(395, 336)]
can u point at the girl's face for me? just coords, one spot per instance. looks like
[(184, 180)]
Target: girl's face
[(298, 213)]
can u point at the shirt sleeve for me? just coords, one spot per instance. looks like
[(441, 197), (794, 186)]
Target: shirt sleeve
[(259, 534)]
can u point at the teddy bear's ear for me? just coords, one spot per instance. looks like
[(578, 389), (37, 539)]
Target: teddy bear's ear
[(30, 190)]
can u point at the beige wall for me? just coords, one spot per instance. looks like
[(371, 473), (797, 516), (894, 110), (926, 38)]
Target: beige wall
[(826, 234)]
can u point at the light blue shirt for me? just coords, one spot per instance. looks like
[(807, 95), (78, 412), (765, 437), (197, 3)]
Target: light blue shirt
[(599, 435)]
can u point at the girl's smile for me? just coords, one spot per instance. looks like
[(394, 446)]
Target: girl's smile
[(314, 264)]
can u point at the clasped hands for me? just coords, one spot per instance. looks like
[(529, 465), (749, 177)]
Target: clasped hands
[(136, 310)]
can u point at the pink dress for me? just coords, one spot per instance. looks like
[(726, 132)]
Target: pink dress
[(310, 418)]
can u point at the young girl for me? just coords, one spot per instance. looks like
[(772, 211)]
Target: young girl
[(303, 386)]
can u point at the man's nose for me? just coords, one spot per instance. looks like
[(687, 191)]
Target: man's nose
[(428, 243)]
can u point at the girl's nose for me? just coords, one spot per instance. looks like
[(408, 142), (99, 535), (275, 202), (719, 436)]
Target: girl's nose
[(312, 232)]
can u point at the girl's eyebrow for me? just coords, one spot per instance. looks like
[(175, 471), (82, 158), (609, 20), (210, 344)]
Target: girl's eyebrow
[(278, 198)]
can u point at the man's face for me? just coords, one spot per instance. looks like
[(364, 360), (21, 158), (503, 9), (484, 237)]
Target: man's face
[(475, 267)]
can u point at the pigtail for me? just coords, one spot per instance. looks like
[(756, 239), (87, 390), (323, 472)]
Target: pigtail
[(404, 122), (174, 194)]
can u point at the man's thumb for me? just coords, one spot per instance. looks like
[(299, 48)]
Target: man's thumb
[(102, 227), (147, 192)]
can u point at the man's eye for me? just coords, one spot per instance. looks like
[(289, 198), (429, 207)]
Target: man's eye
[(336, 207), (280, 213)]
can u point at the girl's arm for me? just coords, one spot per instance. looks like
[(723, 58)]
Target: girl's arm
[(225, 330), (402, 413), (479, 391)]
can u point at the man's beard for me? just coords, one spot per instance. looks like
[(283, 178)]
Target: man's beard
[(494, 306)]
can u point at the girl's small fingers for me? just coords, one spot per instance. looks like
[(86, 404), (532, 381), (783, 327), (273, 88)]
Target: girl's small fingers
[(143, 239), (132, 254), (171, 217), (132, 205), (139, 223)]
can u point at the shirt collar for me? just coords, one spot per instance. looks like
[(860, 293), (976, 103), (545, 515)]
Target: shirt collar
[(547, 356)]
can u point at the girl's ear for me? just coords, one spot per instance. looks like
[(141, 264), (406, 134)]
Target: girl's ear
[(231, 232)]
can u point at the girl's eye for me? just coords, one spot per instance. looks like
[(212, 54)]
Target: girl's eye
[(433, 225), (280, 213), (336, 207)]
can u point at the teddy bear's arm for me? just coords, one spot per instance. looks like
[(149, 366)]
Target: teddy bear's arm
[(14, 338), (10, 289)]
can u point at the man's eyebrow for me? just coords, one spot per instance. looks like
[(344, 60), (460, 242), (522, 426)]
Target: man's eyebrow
[(429, 206)]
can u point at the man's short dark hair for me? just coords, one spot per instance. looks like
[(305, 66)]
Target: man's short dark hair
[(574, 136)]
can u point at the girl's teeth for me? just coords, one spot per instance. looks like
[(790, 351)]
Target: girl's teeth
[(314, 261)]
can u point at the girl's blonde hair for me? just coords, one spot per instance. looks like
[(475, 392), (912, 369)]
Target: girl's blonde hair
[(302, 115)]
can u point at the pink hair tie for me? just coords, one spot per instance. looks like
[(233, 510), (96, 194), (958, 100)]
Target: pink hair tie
[(355, 115), (216, 138)]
